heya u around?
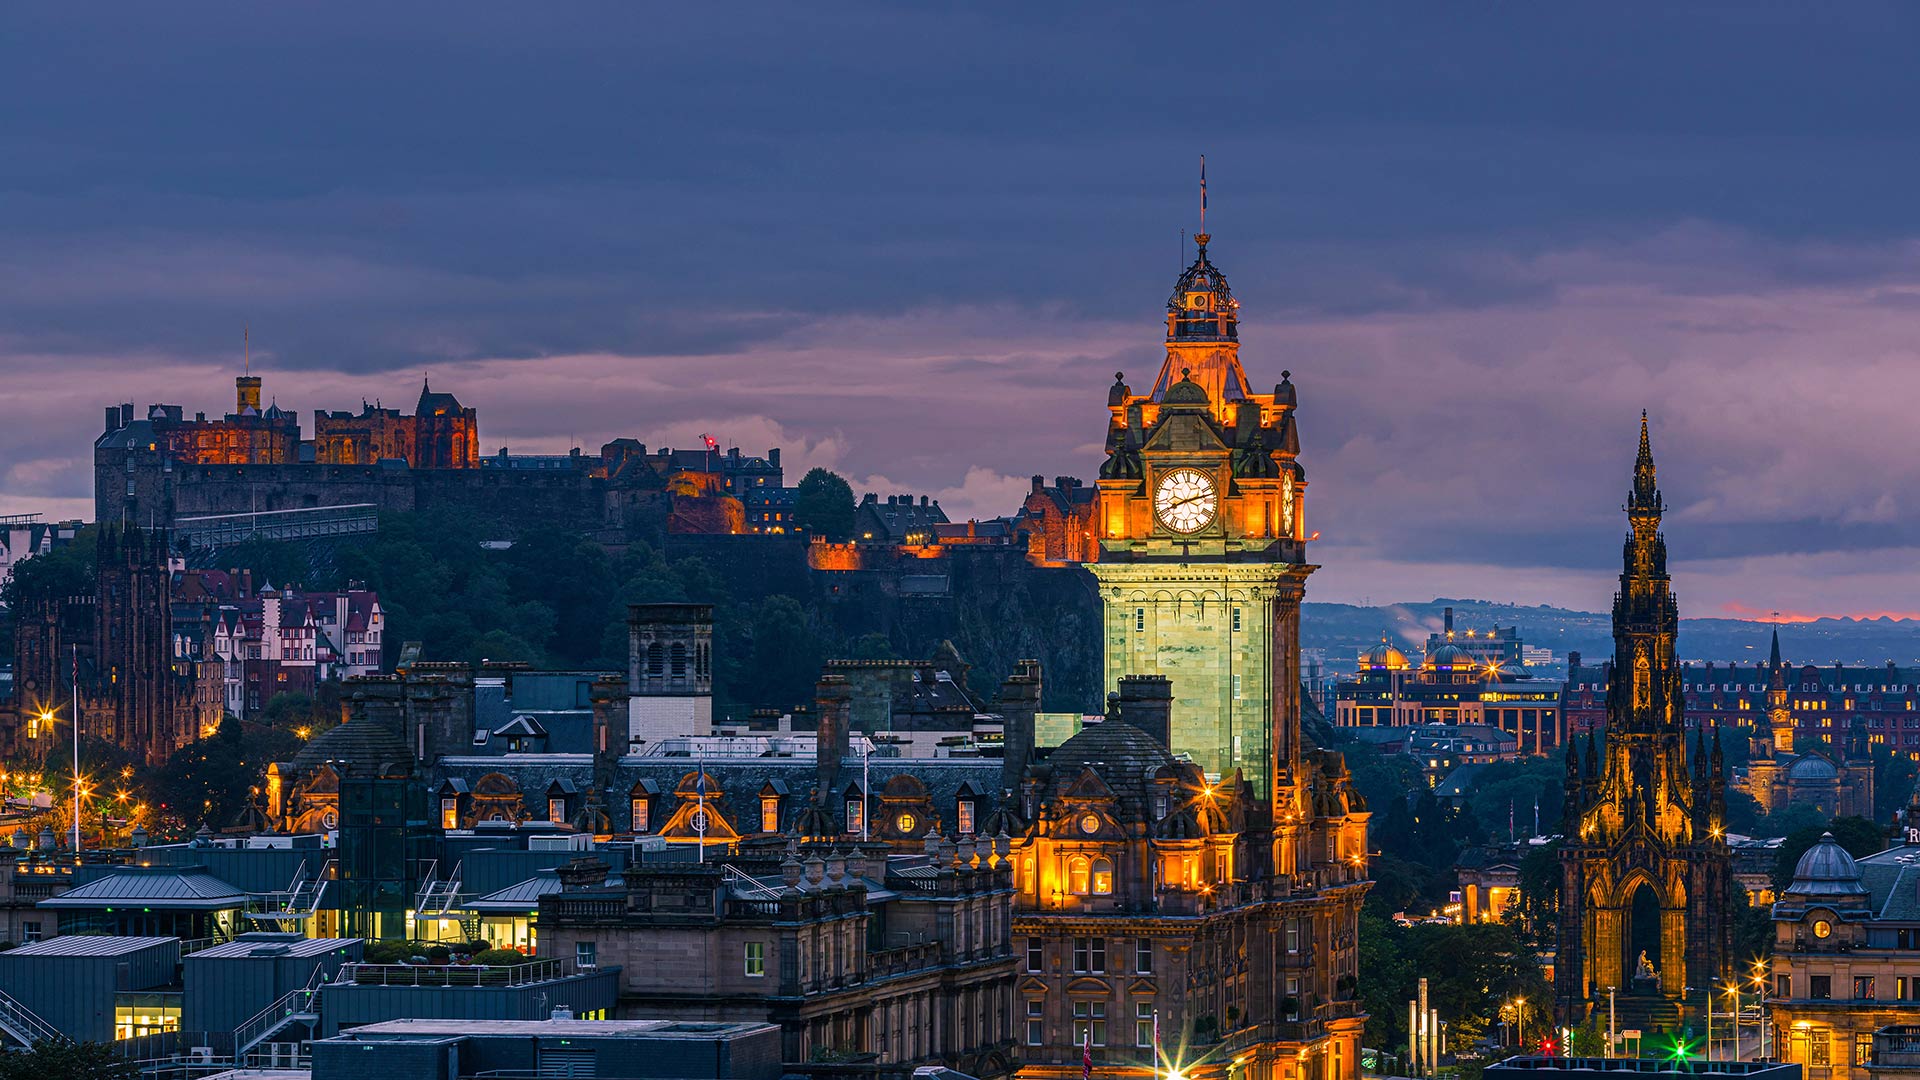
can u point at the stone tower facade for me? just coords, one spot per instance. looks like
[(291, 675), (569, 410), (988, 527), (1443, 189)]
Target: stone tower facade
[(1202, 560), (669, 671), (1638, 817)]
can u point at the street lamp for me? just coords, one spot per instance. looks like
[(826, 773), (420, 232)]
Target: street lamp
[(47, 718)]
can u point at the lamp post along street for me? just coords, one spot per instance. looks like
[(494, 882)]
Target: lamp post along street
[(76, 748)]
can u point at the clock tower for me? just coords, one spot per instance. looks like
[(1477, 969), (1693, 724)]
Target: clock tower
[(1202, 551)]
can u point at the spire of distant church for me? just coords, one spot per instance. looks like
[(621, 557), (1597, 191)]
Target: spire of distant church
[(1773, 657)]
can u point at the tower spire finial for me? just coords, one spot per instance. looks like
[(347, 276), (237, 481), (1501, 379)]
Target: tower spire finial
[(1646, 489), (246, 350), (1773, 658)]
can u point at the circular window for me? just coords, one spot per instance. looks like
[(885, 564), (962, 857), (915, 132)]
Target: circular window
[(906, 822), (1822, 928), (329, 819), (1089, 823)]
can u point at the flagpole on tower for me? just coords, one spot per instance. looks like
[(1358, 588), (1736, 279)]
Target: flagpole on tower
[(1203, 193)]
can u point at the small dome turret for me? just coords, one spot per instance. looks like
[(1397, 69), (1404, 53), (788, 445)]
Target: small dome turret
[(1187, 392), (1383, 657), (1451, 658), (1826, 870)]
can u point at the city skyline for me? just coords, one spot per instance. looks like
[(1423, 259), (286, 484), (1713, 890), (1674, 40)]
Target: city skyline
[(920, 273)]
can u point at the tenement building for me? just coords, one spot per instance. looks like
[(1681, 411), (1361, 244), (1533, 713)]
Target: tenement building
[(1646, 880)]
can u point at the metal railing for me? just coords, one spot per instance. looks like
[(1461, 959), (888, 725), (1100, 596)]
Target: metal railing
[(289, 1007), (21, 1022), (533, 971)]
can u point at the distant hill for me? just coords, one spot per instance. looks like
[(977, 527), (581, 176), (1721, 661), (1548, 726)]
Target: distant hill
[(1344, 629)]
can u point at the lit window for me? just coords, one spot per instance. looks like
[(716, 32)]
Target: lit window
[(856, 815), (556, 810), (641, 810), (963, 816), (450, 813), (770, 813), (1077, 874), (756, 959), (1103, 877)]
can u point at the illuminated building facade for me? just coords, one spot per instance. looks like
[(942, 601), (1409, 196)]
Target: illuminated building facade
[(1202, 547), (1846, 958), (1645, 868), (1453, 685), (1833, 777), (1058, 522), (1829, 705)]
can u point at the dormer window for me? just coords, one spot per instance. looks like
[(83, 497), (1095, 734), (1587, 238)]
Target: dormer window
[(856, 815), (642, 812), (769, 813), (963, 816)]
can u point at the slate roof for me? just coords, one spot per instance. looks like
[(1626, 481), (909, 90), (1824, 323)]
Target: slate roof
[(1892, 878), (739, 780), (167, 888), (356, 742)]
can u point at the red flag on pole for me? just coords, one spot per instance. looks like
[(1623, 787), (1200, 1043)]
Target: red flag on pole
[(1086, 1055)]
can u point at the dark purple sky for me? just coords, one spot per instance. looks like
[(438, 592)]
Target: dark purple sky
[(914, 242)]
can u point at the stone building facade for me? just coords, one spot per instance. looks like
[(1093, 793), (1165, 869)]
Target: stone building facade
[(1846, 957), (851, 952), (136, 665)]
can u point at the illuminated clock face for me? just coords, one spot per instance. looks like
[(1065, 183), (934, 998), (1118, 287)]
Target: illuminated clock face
[(1199, 301), (1089, 824), (1821, 928), (1185, 500), (906, 822)]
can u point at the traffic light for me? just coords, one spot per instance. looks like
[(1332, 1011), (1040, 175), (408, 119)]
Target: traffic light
[(1679, 1047)]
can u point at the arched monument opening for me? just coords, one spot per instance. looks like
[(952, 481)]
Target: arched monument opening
[(1642, 939)]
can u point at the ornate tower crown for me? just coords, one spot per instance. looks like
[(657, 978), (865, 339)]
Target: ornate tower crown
[(1203, 335), (1202, 307)]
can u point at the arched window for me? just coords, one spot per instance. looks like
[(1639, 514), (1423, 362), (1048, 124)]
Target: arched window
[(1077, 874), (656, 659), (1103, 876), (679, 658)]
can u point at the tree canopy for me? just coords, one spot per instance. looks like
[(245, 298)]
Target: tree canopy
[(823, 504)]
